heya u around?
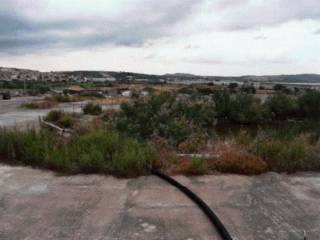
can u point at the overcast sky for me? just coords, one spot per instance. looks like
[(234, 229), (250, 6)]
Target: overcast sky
[(208, 37)]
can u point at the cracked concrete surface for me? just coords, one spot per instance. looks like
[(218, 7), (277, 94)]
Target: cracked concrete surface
[(38, 205)]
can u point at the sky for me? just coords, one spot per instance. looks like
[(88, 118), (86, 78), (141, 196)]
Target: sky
[(206, 37)]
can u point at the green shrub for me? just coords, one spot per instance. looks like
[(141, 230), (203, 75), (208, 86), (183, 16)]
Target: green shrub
[(92, 95), (92, 109), (249, 89), (282, 88), (62, 98), (281, 106), (239, 108), (38, 105), (165, 116), (198, 166), (54, 116), (66, 121), (61, 119), (309, 104), (132, 158), (30, 105)]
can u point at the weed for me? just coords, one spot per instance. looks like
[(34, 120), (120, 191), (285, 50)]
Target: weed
[(198, 166)]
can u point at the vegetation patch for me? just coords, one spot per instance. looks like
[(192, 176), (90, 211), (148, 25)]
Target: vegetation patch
[(38, 105), (156, 129), (101, 151), (239, 163), (92, 109), (61, 119), (165, 116)]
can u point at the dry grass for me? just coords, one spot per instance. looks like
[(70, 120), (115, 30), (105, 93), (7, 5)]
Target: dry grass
[(113, 101), (239, 163), (39, 105), (166, 156), (84, 127)]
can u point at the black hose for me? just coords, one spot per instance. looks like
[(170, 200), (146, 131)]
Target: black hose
[(204, 207)]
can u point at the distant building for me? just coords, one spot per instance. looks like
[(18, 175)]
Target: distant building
[(144, 93), (75, 89), (126, 93)]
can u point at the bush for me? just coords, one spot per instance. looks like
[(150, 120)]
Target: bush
[(233, 86), (66, 121), (281, 106), (61, 119), (54, 116), (29, 105), (282, 88), (165, 116), (309, 104), (92, 109), (61, 98), (246, 109), (194, 143), (198, 166), (38, 105), (249, 89), (239, 108)]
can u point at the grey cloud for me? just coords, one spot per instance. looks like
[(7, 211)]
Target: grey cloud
[(146, 21), (225, 4), (260, 37), (10, 23), (317, 32), (204, 60), (191, 46), (254, 14)]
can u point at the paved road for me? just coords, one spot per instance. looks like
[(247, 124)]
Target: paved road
[(40, 206), (12, 104), (11, 114)]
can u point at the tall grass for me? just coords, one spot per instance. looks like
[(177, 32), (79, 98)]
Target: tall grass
[(100, 151), (284, 155)]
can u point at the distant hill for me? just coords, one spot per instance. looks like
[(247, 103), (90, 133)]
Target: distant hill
[(301, 78)]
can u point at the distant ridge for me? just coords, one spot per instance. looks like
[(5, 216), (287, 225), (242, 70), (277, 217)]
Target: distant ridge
[(298, 78)]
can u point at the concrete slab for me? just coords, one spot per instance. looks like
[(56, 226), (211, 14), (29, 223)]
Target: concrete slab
[(38, 205)]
